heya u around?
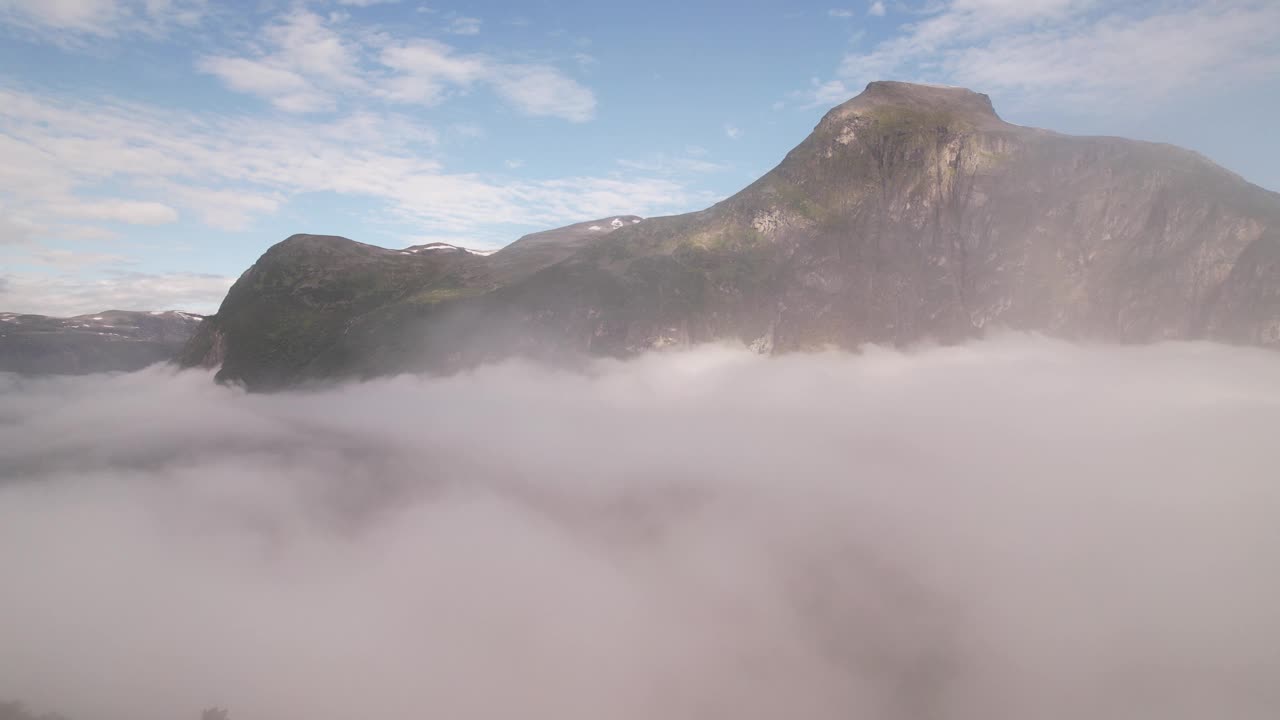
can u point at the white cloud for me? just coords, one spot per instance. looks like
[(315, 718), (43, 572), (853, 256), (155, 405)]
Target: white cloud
[(664, 164), (877, 9), (70, 293), (70, 21), (97, 17), (1149, 58), (367, 3), (70, 259), (186, 13), (1017, 528), (283, 88), (15, 229), (841, 13), (224, 209), (308, 65), (312, 46), (426, 69), (557, 201), (543, 91), (86, 232), (464, 26), (732, 132), (126, 211), (19, 228), (467, 130), (305, 63), (831, 92), (228, 169), (1067, 53)]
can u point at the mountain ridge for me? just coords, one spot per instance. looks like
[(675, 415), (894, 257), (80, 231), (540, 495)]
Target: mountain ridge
[(909, 213), (107, 341)]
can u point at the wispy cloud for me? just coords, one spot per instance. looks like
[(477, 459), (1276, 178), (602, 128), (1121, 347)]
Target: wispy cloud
[(732, 131), (541, 90), (425, 70), (64, 292), (131, 212), (1069, 52), (55, 152), (305, 63), (467, 130), (464, 26), (693, 162), (71, 22), (284, 88), (877, 9), (15, 228), (841, 13), (825, 94)]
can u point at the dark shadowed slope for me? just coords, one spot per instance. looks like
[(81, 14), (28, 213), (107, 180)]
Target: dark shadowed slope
[(300, 300), (910, 213), (114, 340)]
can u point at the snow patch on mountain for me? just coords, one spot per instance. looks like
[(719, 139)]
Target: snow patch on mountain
[(443, 247)]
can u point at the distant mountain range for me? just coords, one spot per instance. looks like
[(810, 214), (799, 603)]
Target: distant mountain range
[(109, 341), (911, 213)]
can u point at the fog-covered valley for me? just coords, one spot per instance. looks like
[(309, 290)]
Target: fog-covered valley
[(1012, 528)]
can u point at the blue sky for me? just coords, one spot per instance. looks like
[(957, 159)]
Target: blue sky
[(150, 150)]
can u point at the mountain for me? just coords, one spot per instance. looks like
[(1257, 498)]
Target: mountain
[(911, 213), (114, 340)]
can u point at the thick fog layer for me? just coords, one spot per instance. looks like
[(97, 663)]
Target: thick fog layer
[(1018, 528)]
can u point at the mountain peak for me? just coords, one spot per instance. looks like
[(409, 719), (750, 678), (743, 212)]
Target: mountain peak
[(973, 106), (911, 214)]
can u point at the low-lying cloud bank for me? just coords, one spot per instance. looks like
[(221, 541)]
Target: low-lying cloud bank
[(1018, 528)]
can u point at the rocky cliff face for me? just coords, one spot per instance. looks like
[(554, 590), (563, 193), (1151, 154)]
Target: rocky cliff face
[(110, 341), (910, 213)]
